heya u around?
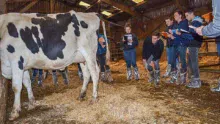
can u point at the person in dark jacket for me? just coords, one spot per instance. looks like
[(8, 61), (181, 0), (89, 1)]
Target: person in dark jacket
[(101, 57), (40, 76), (152, 50), (193, 49), (129, 43), (181, 39)]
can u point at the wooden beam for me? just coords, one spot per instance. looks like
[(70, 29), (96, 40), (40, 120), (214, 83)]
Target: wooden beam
[(96, 2), (52, 2), (18, 1), (182, 4), (122, 7), (160, 6), (3, 99), (29, 6), (2, 6)]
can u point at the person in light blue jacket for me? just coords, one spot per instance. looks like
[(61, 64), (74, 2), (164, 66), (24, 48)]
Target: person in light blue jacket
[(212, 29)]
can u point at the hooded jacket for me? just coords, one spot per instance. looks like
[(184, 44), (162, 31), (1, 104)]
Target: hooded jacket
[(185, 38), (197, 42), (213, 29), (101, 50), (129, 46)]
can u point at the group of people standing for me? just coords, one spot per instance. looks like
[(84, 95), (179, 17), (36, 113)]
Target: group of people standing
[(183, 36)]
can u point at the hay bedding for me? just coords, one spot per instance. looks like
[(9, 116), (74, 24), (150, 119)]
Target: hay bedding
[(131, 102)]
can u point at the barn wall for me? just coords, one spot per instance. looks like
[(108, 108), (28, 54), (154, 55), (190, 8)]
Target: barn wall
[(2, 6)]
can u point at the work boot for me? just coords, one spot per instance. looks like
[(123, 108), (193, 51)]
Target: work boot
[(216, 89), (168, 71), (183, 78), (40, 81), (173, 77), (136, 73), (102, 77), (157, 77), (65, 77), (129, 74), (195, 83), (54, 76), (80, 74), (109, 75), (151, 76)]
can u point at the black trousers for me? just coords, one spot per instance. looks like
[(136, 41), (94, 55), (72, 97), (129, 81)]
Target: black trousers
[(101, 59)]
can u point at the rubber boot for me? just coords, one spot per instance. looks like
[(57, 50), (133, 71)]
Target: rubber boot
[(129, 74), (168, 71), (103, 77), (65, 77), (40, 80), (157, 77), (183, 77), (109, 76), (136, 73), (54, 76), (151, 76), (216, 89), (195, 83), (33, 79), (173, 77), (80, 74)]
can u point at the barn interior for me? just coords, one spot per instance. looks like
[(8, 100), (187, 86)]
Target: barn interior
[(122, 101)]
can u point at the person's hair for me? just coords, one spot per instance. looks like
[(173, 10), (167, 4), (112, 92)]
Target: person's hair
[(156, 34), (190, 10), (168, 17), (180, 13), (127, 25)]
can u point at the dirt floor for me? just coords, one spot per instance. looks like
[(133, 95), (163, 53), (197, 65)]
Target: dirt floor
[(122, 102)]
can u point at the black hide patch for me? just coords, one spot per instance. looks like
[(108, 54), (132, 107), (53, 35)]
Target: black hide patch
[(10, 49), (52, 31), (26, 36), (83, 24), (76, 25), (21, 63), (12, 30)]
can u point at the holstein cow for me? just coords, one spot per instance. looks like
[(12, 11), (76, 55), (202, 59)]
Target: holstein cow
[(51, 41)]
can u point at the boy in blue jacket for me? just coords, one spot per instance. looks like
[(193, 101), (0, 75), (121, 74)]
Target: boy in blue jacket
[(181, 39), (193, 49), (101, 57)]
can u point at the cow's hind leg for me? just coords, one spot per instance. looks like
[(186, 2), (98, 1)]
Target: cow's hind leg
[(17, 75), (27, 84), (86, 77), (94, 71)]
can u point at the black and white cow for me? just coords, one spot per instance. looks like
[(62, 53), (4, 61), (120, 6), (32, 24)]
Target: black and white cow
[(47, 41)]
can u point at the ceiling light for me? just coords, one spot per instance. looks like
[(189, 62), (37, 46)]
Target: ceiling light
[(106, 13), (137, 1), (81, 3)]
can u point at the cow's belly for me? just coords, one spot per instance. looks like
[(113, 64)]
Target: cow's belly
[(39, 63)]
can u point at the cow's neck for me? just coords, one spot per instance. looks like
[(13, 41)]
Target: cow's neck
[(1, 24)]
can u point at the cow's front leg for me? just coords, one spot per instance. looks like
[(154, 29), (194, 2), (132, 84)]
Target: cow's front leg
[(86, 77), (17, 75), (27, 84)]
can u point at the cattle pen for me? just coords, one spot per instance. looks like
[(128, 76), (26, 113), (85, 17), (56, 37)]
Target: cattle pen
[(59, 62)]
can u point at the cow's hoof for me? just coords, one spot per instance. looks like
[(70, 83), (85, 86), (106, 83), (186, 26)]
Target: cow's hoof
[(82, 96), (93, 101), (31, 106), (14, 115)]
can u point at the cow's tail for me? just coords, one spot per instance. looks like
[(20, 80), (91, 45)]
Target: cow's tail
[(106, 39)]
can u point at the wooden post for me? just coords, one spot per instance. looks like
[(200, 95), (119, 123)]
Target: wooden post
[(51, 6), (3, 83), (3, 99)]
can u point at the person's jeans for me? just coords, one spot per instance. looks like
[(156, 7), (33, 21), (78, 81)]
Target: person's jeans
[(193, 61), (102, 62), (156, 64), (35, 71), (169, 55), (130, 58), (179, 51), (218, 48)]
